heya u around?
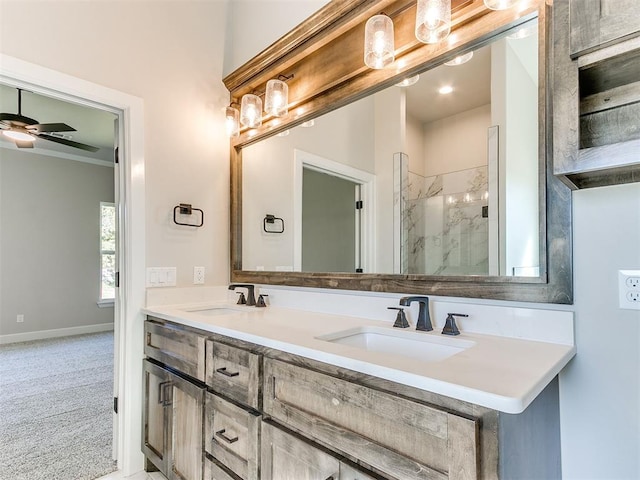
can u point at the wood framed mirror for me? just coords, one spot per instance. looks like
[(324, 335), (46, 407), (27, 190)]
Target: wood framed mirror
[(322, 62)]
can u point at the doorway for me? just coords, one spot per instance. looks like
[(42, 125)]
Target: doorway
[(130, 181), (333, 210)]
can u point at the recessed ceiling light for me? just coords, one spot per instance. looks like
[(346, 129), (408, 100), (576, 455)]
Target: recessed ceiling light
[(445, 90)]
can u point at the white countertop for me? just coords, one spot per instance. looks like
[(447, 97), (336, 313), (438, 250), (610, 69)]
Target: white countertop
[(504, 374)]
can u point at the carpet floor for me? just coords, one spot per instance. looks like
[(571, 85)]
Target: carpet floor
[(56, 404)]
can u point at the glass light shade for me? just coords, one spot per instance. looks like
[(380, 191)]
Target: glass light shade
[(407, 82), (379, 49), (232, 122), (459, 60), (500, 4), (251, 111), (19, 136), (276, 99), (433, 20)]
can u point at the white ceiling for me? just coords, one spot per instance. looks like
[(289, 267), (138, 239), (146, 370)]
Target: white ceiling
[(93, 126)]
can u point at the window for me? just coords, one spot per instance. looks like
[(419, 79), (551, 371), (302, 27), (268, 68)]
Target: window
[(107, 252)]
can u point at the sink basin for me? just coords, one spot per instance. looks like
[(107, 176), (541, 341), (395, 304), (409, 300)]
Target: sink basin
[(218, 310), (426, 347)]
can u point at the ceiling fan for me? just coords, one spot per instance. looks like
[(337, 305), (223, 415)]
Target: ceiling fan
[(24, 130)]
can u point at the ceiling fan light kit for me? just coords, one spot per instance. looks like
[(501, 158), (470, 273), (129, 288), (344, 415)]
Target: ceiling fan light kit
[(24, 130)]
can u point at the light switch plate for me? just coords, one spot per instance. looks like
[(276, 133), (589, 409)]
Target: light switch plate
[(161, 277)]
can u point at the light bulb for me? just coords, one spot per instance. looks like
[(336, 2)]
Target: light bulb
[(407, 82), (276, 98), (500, 4), (459, 60), (251, 111), (379, 50), (232, 122), (433, 20), (19, 136)]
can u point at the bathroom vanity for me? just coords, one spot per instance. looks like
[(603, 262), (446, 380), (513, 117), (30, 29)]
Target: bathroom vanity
[(276, 393)]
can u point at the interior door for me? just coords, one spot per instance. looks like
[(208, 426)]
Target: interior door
[(117, 303)]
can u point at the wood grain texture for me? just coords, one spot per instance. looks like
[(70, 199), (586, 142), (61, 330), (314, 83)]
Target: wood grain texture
[(213, 471), (155, 434), (463, 448), (335, 76), (597, 23), (177, 347), (235, 372), (401, 438), (187, 427), (608, 127), (285, 456), (241, 456)]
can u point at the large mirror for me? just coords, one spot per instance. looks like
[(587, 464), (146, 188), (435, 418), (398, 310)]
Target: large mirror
[(411, 188), (436, 177)]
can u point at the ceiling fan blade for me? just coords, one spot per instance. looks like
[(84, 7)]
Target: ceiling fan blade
[(23, 144), (18, 120), (50, 127), (69, 143)]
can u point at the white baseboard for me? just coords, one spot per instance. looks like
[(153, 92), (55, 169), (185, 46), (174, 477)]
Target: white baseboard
[(59, 332)]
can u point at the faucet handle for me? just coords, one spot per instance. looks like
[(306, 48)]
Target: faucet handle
[(261, 302), (401, 318), (241, 298), (450, 327)]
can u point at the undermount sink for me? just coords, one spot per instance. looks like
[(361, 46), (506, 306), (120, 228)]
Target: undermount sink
[(218, 310), (426, 347)]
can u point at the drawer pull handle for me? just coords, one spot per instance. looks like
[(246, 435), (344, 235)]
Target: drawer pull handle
[(221, 434), (164, 399), (224, 372)]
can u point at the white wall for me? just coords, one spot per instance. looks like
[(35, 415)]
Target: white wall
[(456, 143), (50, 242), (600, 388), (169, 53), (268, 177)]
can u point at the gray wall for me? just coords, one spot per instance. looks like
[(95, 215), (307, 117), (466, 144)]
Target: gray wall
[(49, 242)]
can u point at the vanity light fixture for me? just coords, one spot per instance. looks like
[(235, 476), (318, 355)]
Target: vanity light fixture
[(459, 60), (407, 82), (276, 98), (232, 121), (445, 90), (379, 49), (433, 20), (251, 110), (500, 4)]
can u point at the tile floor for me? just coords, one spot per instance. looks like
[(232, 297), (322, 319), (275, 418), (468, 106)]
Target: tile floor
[(138, 476)]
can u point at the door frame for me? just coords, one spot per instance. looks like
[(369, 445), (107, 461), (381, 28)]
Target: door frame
[(130, 297), (366, 180)]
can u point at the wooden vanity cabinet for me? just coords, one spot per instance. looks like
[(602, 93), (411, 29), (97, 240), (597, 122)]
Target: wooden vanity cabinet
[(318, 421), (172, 423)]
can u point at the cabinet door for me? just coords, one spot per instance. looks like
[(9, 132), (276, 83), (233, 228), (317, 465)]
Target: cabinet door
[(287, 457), (597, 23), (155, 415), (187, 410)]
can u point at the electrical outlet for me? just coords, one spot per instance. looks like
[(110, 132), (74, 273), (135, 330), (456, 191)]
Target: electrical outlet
[(198, 275), (629, 289), (20, 318)]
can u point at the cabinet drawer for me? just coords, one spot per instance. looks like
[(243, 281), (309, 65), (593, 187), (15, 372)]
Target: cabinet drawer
[(176, 347), (404, 439), (214, 472), (234, 372), (232, 436)]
